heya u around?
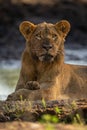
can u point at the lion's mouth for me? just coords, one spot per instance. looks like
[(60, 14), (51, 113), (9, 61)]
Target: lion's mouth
[(46, 58)]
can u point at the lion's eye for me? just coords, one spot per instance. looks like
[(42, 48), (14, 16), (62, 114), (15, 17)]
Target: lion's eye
[(38, 36), (54, 36)]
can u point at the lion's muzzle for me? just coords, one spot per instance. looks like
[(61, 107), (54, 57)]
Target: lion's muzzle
[(46, 58), (47, 47)]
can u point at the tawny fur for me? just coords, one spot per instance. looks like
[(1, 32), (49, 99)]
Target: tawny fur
[(53, 78)]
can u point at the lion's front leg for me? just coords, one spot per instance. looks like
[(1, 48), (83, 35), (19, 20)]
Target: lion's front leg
[(25, 94), (43, 90), (34, 91), (32, 85), (20, 94)]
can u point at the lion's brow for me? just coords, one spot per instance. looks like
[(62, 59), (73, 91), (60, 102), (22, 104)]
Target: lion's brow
[(46, 30)]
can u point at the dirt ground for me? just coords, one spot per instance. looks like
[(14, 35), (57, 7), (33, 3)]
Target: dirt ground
[(38, 126)]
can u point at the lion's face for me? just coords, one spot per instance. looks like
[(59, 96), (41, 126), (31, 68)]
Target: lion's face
[(44, 40)]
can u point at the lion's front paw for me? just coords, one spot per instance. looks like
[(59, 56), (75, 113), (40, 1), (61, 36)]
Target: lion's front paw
[(32, 85)]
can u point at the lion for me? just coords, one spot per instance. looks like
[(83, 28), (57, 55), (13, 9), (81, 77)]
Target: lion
[(44, 75)]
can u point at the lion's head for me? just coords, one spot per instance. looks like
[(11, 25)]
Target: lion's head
[(45, 40)]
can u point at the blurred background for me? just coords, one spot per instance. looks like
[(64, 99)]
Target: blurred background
[(12, 43)]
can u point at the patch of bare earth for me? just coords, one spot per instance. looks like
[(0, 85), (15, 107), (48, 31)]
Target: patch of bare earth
[(38, 126)]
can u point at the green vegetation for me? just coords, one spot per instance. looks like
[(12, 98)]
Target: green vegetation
[(44, 103), (54, 118), (77, 119), (47, 118)]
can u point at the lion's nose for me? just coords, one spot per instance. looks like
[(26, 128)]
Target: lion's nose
[(47, 46)]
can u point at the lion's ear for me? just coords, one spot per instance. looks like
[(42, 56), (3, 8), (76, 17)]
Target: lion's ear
[(26, 28), (63, 27)]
